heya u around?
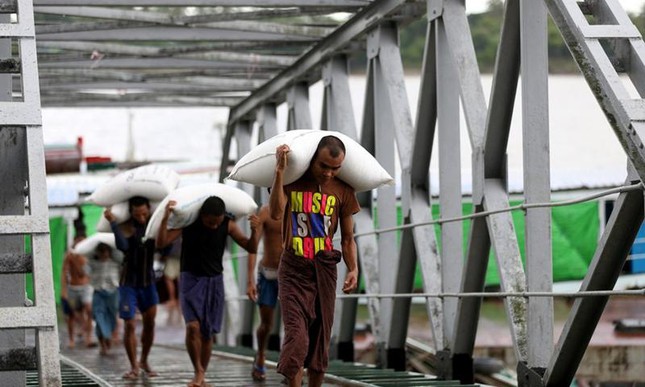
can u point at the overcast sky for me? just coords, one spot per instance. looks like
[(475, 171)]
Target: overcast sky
[(476, 6)]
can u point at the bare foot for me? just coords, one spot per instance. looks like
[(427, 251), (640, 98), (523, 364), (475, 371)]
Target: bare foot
[(148, 372), (198, 380), (131, 375)]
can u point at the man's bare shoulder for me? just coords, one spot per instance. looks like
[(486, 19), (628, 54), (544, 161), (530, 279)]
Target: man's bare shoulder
[(75, 259), (264, 213)]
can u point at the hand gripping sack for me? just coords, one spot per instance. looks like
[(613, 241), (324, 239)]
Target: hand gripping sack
[(150, 181), (360, 169), (121, 212), (87, 246), (190, 199)]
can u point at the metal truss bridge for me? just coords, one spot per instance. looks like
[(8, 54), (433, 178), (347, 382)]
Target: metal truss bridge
[(253, 55)]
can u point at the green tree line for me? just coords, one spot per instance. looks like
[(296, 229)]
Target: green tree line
[(485, 29)]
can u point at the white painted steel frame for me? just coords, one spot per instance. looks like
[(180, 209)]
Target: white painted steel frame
[(416, 207), (267, 124), (338, 115), (450, 197), (537, 184), (245, 319), (298, 112), (24, 115)]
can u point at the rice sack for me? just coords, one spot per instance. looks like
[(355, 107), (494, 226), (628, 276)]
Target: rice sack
[(189, 201), (152, 181), (360, 169)]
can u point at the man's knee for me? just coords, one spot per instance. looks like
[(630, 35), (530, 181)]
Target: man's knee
[(130, 326), (148, 324), (192, 328), (266, 326)]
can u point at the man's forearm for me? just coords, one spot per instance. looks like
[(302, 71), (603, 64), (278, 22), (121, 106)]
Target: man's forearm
[(120, 240), (276, 198), (349, 254), (250, 267), (162, 234)]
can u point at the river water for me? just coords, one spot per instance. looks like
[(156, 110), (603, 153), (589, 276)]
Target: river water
[(584, 149)]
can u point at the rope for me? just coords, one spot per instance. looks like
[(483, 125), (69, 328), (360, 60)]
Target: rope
[(523, 206), (580, 294)]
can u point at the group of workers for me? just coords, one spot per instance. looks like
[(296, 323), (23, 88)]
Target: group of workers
[(298, 266)]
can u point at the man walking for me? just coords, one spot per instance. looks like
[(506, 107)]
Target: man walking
[(311, 209), (265, 291), (201, 283)]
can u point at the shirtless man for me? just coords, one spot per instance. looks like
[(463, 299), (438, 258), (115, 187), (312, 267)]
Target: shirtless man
[(76, 295), (266, 291)]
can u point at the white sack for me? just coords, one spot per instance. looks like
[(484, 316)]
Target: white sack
[(360, 169), (87, 246), (190, 199), (121, 212), (150, 181)]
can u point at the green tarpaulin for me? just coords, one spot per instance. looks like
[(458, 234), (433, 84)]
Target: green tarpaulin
[(574, 228)]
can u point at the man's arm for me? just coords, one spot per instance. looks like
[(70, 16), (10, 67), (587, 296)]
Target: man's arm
[(257, 224), (277, 198), (64, 277), (119, 238), (165, 236), (249, 244), (348, 247)]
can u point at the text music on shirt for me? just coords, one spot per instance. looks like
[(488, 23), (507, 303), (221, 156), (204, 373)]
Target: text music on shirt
[(311, 214)]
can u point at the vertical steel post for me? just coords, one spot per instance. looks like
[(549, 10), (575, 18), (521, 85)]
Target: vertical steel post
[(537, 183)]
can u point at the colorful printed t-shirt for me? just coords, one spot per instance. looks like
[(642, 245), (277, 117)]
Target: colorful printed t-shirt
[(312, 215)]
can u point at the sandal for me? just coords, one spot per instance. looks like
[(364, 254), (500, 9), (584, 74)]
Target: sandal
[(259, 373), (131, 375)]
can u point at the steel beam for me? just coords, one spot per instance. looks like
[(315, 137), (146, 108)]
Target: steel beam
[(608, 260), (537, 182), (203, 3), (245, 331), (509, 263), (450, 198), (624, 114), (462, 48), (488, 161), (13, 174), (299, 113), (338, 115), (368, 245), (324, 49), (167, 34), (386, 209), (416, 199), (505, 81)]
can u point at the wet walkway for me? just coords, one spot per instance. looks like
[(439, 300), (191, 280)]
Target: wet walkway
[(83, 366)]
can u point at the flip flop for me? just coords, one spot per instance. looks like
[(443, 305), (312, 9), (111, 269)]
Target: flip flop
[(131, 375), (259, 373)]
